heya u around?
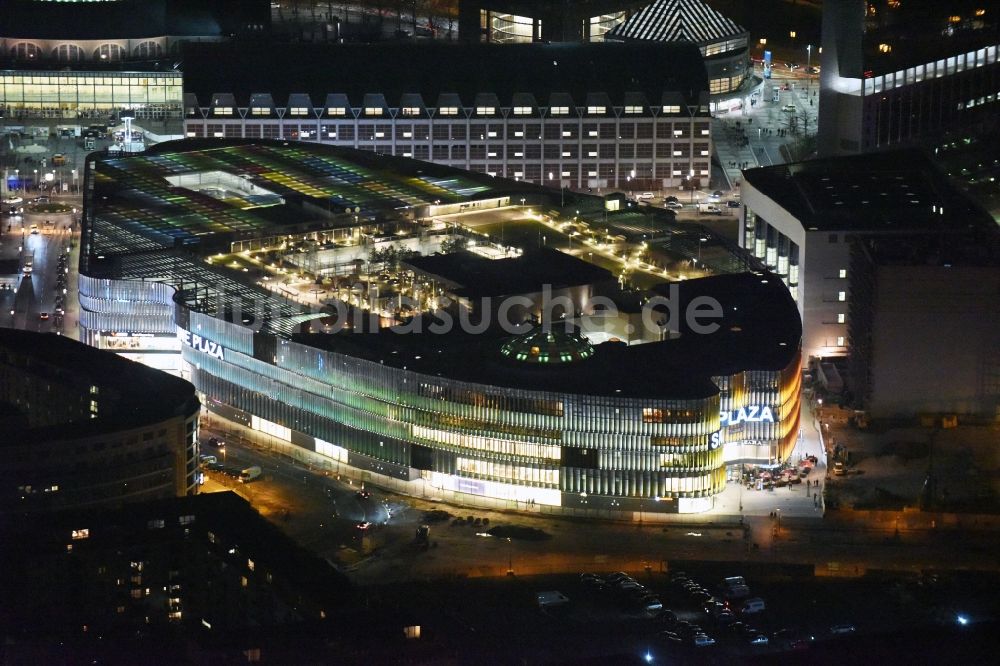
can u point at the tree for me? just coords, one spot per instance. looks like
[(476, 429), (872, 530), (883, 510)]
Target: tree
[(454, 244)]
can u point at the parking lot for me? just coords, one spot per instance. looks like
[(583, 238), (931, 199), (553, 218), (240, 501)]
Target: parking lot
[(819, 619)]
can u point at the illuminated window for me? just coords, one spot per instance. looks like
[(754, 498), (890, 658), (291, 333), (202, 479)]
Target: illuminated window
[(260, 111), (885, 48), (80, 534), (223, 110), (336, 111), (522, 110), (448, 110), (672, 108), (559, 110), (597, 109), (841, 318), (840, 341), (842, 273), (373, 111), (485, 110), (841, 295), (298, 111), (633, 109)]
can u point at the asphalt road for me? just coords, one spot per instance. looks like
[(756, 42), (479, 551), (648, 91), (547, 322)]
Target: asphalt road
[(324, 522)]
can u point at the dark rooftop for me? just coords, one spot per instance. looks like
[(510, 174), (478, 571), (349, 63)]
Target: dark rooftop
[(432, 69), (129, 19), (132, 394), (528, 273), (891, 191), (759, 330)]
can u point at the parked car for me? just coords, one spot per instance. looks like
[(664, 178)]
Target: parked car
[(674, 205), (789, 108), (645, 195), (725, 617), (733, 204), (701, 640), (667, 616), (670, 199), (842, 629), (758, 639), (751, 606)]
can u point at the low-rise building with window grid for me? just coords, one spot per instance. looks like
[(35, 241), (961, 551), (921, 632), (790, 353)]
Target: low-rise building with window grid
[(581, 116)]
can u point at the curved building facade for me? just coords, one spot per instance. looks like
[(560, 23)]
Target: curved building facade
[(542, 419), (83, 428), (75, 32)]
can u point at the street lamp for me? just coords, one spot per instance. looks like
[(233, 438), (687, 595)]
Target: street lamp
[(691, 183)]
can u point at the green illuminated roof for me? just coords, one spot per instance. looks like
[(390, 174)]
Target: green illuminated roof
[(551, 345)]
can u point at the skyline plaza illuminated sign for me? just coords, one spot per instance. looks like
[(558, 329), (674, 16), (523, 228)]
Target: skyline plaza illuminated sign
[(749, 414), (204, 345)]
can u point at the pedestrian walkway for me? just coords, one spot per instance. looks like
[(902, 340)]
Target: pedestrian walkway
[(754, 136), (803, 500)]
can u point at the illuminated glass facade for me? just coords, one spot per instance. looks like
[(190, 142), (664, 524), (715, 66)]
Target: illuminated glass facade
[(447, 428), (70, 95)]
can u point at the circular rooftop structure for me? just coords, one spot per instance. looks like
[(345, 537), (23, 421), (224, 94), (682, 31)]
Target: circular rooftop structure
[(544, 345)]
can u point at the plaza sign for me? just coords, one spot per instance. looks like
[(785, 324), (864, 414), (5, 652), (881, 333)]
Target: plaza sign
[(204, 345), (750, 414)]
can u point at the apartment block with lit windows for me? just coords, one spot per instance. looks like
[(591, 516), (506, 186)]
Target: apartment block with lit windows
[(561, 115)]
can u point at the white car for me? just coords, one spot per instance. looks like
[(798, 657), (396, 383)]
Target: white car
[(701, 640), (645, 195), (674, 205)]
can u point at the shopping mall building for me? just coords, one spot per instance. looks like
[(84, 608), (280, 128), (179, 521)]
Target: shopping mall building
[(182, 250)]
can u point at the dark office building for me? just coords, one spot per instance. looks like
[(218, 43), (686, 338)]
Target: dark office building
[(79, 427), (898, 72), (925, 325), (519, 21)]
